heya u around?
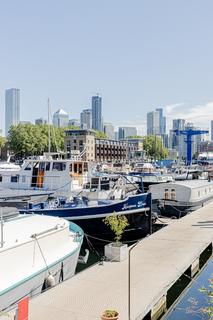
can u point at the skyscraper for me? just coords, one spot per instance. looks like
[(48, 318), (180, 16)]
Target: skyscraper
[(212, 130), (60, 119), (125, 132), (156, 122), (12, 108), (97, 113), (162, 121), (86, 119), (153, 122), (109, 131), (178, 141)]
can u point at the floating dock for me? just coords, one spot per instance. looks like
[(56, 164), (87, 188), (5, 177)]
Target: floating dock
[(157, 262)]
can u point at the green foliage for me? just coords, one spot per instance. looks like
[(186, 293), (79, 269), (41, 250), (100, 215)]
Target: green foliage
[(117, 224), (134, 137), (154, 147), (110, 313), (29, 139), (100, 134), (2, 142), (71, 127)]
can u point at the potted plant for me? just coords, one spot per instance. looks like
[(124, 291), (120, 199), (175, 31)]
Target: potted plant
[(109, 314), (116, 251)]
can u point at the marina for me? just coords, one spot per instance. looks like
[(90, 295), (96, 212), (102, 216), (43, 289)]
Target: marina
[(106, 160), (156, 263)]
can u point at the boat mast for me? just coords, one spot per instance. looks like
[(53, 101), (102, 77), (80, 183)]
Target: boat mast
[(48, 104)]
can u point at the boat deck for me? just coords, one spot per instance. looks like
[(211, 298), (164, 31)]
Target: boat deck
[(156, 264)]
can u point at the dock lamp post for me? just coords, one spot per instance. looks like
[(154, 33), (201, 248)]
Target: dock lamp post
[(129, 279)]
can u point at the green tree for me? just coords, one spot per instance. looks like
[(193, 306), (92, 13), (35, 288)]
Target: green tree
[(154, 147), (134, 137), (2, 142), (100, 134), (117, 224), (29, 139)]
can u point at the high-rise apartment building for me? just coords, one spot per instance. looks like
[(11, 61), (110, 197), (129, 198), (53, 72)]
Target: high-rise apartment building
[(97, 121), (162, 121), (109, 131), (12, 108), (156, 122), (86, 119), (74, 122), (178, 141), (212, 130), (125, 132), (153, 122), (60, 119), (40, 121)]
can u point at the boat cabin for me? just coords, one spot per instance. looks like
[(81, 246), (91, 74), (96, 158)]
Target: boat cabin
[(46, 173)]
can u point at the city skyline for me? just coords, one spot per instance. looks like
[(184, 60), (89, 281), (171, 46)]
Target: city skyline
[(170, 112), (152, 61)]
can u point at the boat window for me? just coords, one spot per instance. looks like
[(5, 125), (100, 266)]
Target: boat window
[(85, 166), (75, 167), (173, 194), (80, 168), (70, 167), (36, 165), (14, 178), (0, 178), (29, 166), (47, 166), (166, 194), (42, 166), (59, 166)]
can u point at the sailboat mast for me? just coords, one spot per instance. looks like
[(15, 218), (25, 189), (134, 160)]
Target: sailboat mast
[(48, 104)]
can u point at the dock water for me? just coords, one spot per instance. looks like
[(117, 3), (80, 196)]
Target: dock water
[(157, 262)]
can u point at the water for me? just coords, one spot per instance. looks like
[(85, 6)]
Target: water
[(188, 307)]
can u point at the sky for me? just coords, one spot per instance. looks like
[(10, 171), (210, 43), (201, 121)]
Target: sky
[(138, 55)]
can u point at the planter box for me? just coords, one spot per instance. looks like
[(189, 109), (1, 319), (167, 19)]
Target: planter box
[(116, 252)]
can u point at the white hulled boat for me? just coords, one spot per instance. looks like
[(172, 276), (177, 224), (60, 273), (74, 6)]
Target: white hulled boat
[(36, 253), (47, 173)]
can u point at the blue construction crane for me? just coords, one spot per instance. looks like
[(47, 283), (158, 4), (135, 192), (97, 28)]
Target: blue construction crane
[(189, 133)]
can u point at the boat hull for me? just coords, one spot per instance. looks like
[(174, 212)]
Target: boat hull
[(179, 209), (136, 208), (36, 283)]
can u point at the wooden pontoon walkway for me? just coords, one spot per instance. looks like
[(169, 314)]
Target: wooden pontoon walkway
[(156, 263)]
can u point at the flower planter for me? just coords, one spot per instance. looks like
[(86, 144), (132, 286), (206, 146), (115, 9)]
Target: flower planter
[(116, 252), (107, 318)]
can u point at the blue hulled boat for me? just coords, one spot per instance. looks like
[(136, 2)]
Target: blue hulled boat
[(89, 215)]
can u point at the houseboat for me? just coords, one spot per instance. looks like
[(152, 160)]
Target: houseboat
[(46, 173), (181, 197)]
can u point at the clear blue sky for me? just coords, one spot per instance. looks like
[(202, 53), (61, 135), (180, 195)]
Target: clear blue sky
[(137, 54)]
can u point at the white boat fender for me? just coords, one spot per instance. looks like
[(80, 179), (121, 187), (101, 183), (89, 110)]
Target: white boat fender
[(50, 281), (84, 259)]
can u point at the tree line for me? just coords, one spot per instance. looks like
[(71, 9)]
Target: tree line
[(28, 139)]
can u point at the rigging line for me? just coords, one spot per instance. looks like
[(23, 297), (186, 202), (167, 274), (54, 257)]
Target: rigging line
[(43, 255), (109, 241), (91, 246)]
